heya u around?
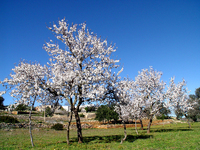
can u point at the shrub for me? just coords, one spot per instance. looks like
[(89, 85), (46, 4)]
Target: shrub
[(106, 112), (57, 126), (162, 117), (81, 115), (21, 107), (48, 112), (90, 109), (8, 119)]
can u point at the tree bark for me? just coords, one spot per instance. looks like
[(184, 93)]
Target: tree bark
[(141, 124), (78, 125), (125, 135), (149, 125), (44, 115), (30, 122), (136, 127), (188, 121), (70, 119)]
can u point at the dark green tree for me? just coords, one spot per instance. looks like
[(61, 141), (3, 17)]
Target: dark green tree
[(178, 113), (194, 113), (1, 102), (106, 113), (163, 113), (21, 107), (48, 112), (90, 109), (197, 93)]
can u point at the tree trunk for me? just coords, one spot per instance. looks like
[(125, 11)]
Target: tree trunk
[(44, 115), (188, 121), (78, 125), (30, 122), (70, 119), (136, 127), (149, 125), (141, 124), (125, 135)]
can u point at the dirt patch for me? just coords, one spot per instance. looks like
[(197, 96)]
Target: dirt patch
[(100, 125)]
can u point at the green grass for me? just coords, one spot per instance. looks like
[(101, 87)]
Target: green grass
[(172, 136)]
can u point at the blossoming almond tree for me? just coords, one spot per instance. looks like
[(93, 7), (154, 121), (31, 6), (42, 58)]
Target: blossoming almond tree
[(80, 72), (150, 89), (123, 96), (25, 84), (178, 99)]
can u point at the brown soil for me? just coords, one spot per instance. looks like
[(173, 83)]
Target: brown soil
[(108, 125)]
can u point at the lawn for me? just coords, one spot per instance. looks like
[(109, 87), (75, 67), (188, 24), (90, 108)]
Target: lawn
[(171, 136)]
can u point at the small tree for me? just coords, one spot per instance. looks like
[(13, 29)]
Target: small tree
[(150, 90), (90, 108), (178, 98), (48, 111), (105, 112), (194, 114), (163, 113), (179, 114), (1, 102), (21, 107)]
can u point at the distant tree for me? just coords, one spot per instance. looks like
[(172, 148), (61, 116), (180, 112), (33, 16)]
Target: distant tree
[(90, 109), (1, 102), (21, 107), (197, 93), (194, 114), (178, 113), (48, 112), (163, 113), (106, 113), (178, 98)]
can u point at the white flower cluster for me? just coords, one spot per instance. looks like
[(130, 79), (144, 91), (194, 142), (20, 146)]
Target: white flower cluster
[(78, 73), (148, 92)]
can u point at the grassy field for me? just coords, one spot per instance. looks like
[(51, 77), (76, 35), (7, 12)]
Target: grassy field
[(171, 136)]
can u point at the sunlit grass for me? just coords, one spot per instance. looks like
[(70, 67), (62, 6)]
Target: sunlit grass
[(172, 136)]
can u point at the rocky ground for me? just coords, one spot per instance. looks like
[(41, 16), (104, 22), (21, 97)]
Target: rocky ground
[(38, 122)]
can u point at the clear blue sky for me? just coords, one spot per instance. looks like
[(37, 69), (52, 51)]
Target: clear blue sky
[(164, 34)]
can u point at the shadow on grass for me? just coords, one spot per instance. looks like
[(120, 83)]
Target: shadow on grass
[(171, 130), (103, 139), (113, 138)]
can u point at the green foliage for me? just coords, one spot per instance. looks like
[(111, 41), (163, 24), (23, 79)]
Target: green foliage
[(81, 115), (1, 102), (21, 107), (90, 109), (163, 113), (57, 126), (48, 112), (8, 119), (194, 113), (162, 117), (197, 93), (178, 114), (105, 112)]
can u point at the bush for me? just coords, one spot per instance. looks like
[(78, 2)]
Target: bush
[(48, 112), (162, 117), (57, 126), (90, 109), (106, 112), (21, 107), (81, 115), (8, 119)]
